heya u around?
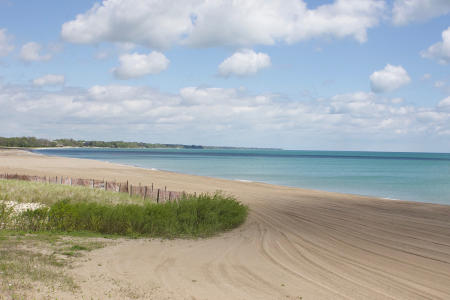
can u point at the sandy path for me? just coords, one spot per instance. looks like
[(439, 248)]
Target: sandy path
[(296, 244)]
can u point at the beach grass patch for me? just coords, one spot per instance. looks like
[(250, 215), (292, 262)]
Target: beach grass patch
[(82, 209), (36, 192)]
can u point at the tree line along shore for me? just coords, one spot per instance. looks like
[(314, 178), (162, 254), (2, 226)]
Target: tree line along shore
[(33, 142)]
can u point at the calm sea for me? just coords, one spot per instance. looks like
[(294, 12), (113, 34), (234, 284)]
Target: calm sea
[(407, 176)]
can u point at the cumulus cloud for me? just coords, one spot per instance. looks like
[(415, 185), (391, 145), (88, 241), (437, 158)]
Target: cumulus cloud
[(216, 116), (389, 79), (137, 65), (201, 23), (49, 79), (6, 45), (244, 62), (31, 52), (408, 11), (441, 50)]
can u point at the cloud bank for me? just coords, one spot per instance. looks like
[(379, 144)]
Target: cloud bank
[(220, 116), (200, 23)]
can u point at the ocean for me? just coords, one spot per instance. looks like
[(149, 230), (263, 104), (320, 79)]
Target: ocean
[(421, 177)]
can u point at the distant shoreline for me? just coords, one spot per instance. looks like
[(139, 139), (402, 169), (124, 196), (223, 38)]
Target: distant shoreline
[(33, 142)]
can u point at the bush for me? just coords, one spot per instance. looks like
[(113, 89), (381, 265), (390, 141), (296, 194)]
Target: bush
[(191, 216)]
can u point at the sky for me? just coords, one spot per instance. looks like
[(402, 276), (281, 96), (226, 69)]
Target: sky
[(293, 74)]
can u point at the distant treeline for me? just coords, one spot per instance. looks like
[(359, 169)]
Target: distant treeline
[(32, 142)]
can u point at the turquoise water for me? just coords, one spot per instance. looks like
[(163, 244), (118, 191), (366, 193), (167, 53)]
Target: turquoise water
[(408, 176)]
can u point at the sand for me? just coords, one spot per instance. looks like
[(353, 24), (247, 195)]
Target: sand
[(296, 244)]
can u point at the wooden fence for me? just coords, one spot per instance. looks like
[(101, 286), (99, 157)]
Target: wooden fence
[(146, 192)]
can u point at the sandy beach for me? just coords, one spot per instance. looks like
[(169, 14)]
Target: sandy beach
[(295, 244)]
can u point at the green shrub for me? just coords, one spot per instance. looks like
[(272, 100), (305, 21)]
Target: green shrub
[(33, 220), (191, 216)]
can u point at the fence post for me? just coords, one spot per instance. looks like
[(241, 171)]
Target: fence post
[(157, 197), (70, 180), (165, 192), (152, 187), (131, 190), (170, 196), (145, 192), (106, 185)]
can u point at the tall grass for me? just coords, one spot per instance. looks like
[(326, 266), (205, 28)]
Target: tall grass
[(48, 194), (191, 216)]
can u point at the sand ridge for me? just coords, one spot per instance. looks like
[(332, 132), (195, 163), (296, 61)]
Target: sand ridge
[(296, 244)]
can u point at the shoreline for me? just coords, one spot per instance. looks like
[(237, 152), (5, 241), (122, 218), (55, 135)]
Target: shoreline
[(239, 180), (295, 243), (392, 198)]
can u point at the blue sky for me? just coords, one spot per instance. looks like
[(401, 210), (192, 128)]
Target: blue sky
[(334, 75)]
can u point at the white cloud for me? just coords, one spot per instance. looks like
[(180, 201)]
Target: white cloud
[(31, 52), (389, 79), (441, 50), (445, 104), (49, 79), (201, 23), (137, 65), (408, 11), (6, 45), (244, 62), (222, 116)]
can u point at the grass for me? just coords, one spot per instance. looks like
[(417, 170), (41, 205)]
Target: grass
[(48, 194), (71, 209), (37, 246), (33, 263)]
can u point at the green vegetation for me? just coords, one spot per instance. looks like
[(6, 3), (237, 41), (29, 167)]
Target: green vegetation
[(36, 263), (32, 142), (48, 194), (26, 142), (37, 247), (71, 209)]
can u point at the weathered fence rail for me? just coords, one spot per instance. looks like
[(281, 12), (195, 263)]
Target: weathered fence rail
[(147, 192)]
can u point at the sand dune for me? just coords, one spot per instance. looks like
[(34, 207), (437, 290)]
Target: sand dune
[(296, 244)]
